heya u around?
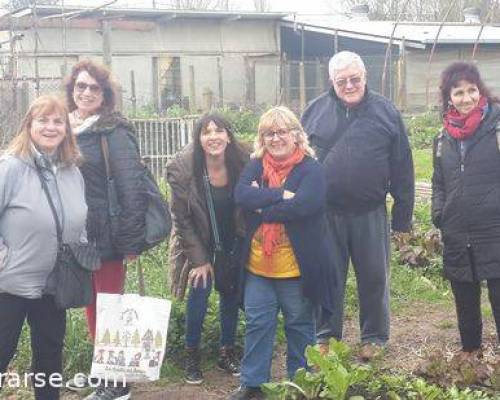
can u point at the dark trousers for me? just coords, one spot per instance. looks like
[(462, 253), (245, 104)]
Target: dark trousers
[(47, 325), (468, 305), (363, 240)]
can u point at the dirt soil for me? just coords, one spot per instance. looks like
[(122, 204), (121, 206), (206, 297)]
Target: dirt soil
[(415, 333)]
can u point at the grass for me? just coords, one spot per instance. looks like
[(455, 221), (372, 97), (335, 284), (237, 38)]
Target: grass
[(422, 159)]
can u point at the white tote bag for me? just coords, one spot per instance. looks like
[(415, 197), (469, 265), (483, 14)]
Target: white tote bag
[(131, 335)]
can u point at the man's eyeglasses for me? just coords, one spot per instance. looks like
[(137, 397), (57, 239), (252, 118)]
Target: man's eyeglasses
[(82, 86), (281, 133), (354, 81)]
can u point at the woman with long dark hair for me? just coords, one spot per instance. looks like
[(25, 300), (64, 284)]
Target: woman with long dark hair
[(466, 197), (216, 154)]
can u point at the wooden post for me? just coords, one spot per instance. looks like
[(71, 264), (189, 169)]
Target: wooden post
[(302, 86), (208, 98), (336, 42), (106, 43), (249, 82), (133, 98), (402, 89), (156, 91), (220, 76), (319, 77), (192, 90)]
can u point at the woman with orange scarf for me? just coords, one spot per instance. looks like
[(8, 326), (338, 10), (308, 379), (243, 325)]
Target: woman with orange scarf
[(288, 262)]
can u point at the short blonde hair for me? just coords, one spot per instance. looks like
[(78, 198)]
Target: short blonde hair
[(21, 145), (280, 117)]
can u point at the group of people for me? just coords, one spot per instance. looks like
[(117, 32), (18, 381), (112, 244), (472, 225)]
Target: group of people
[(58, 146), (311, 199), (272, 230)]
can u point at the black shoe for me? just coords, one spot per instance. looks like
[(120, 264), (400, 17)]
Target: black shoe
[(247, 393), (193, 371), (110, 393), (228, 361)]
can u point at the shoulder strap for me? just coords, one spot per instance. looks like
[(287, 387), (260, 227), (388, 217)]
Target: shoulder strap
[(211, 210), (52, 206), (105, 154)]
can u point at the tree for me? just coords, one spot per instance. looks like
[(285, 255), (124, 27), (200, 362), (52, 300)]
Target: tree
[(17, 4), (262, 5), (421, 10)]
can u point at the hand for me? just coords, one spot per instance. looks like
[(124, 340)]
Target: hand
[(287, 195), (255, 184), (200, 274)]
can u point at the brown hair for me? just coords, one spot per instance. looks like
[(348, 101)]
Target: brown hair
[(103, 77), (21, 145), (462, 71)]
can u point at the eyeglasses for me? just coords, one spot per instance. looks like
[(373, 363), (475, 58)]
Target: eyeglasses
[(354, 81), (281, 133), (82, 86)]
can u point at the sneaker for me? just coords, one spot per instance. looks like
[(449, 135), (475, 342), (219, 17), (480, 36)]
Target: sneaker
[(80, 382), (193, 371), (228, 361), (369, 351), (247, 393), (110, 393)]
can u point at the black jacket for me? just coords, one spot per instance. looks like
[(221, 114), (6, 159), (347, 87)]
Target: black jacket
[(466, 202), (128, 173), (365, 153)]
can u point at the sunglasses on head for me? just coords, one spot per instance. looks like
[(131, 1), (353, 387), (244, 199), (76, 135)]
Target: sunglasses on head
[(82, 86), (355, 80)]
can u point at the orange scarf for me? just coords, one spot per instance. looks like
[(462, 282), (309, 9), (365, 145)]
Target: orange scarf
[(275, 173)]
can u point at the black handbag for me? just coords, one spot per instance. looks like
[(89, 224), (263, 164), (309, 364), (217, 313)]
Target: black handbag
[(70, 281), (225, 262), (158, 219)]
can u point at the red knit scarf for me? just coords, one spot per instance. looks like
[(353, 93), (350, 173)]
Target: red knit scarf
[(462, 127), (275, 172)]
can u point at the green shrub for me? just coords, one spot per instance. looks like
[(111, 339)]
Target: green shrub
[(422, 129)]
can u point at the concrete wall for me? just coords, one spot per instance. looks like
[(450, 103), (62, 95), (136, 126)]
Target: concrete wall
[(417, 70), (198, 43)]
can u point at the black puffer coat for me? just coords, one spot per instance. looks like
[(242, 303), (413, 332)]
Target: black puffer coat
[(128, 173), (466, 202)]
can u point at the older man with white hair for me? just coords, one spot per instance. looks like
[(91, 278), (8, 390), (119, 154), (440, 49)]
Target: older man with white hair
[(362, 143)]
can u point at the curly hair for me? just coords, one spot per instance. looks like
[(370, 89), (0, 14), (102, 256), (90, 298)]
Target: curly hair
[(103, 77), (461, 71)]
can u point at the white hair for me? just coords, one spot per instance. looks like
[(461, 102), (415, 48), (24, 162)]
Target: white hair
[(342, 60)]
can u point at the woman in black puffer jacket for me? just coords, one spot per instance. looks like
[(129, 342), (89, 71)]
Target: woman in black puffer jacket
[(91, 99), (466, 196)]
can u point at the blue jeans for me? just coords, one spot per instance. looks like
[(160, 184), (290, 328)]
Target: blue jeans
[(264, 298), (196, 309)]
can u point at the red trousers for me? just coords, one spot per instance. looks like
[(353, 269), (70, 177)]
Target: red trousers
[(109, 279)]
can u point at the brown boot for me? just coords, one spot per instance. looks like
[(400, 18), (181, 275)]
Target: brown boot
[(369, 351)]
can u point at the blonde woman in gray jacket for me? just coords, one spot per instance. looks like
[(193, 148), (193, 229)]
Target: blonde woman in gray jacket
[(28, 240)]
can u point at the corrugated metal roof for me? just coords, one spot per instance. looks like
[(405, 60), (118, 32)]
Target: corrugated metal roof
[(423, 33), (152, 13)]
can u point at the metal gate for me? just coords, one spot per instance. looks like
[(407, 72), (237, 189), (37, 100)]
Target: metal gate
[(160, 139)]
